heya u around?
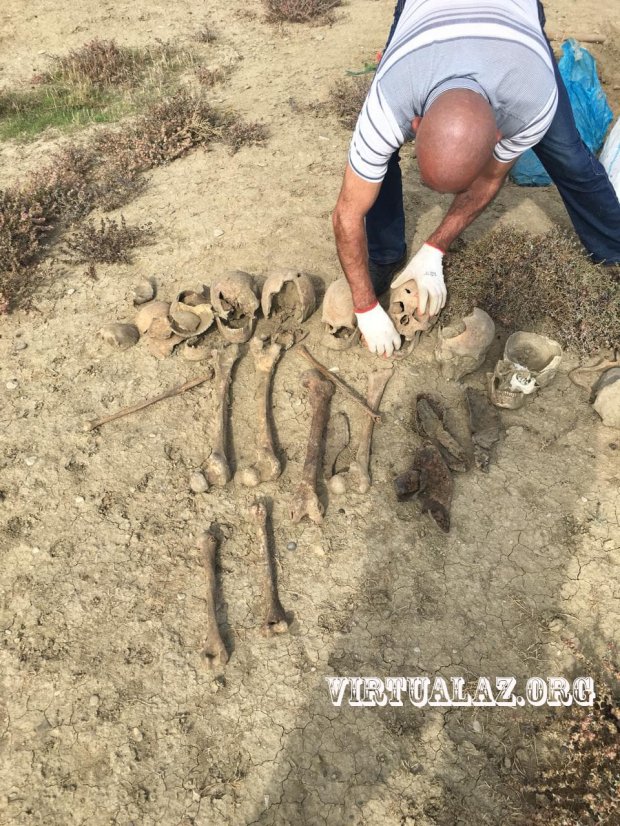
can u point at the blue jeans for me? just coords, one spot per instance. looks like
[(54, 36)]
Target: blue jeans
[(588, 195)]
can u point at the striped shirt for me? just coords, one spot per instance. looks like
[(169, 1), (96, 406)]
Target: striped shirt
[(496, 49)]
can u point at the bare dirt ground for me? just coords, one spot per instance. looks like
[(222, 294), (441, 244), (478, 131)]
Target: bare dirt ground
[(107, 714)]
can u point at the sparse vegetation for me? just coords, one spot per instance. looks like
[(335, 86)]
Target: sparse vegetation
[(347, 97), (537, 282), (112, 242), (300, 11), (209, 77)]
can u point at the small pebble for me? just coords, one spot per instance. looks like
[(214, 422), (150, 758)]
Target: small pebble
[(145, 291), (30, 460), (291, 546), (20, 345), (70, 291), (79, 500), (11, 385), (476, 726), (218, 232)]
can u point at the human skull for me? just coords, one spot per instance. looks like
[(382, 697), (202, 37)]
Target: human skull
[(235, 304), (403, 312), (530, 361), (277, 287), (339, 316), (462, 347), (190, 314)]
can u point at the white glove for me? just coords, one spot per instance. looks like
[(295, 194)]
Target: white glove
[(378, 331), (426, 269)]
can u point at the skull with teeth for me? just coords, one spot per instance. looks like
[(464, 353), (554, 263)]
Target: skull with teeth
[(338, 316), (530, 361), (235, 304), (403, 308)]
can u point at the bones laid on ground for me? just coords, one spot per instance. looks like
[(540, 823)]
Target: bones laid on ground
[(338, 317), (462, 347), (214, 651), (190, 314), (336, 441), (587, 375), (484, 424), (305, 500), (144, 291), (606, 394), (429, 477), (160, 338), (431, 425), (149, 312), (290, 293), (530, 361), (267, 466), (120, 335), (403, 312), (198, 482), (235, 304), (275, 621), (217, 466), (360, 467), (196, 349)]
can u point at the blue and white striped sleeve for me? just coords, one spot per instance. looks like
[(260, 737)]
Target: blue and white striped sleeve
[(376, 137), (509, 149)]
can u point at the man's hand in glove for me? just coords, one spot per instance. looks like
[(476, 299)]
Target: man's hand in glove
[(378, 331), (426, 269)]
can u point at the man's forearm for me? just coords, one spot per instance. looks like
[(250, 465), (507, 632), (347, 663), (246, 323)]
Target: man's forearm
[(351, 245), (465, 208)]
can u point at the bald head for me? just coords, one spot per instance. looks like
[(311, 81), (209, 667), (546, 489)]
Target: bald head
[(455, 140)]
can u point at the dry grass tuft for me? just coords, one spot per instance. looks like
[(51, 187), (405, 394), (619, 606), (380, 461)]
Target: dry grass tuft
[(347, 97), (112, 242), (205, 35), (209, 77), (299, 11), (537, 282), (23, 224), (98, 63)]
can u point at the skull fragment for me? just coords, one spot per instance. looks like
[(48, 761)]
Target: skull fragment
[(339, 317), (289, 291), (235, 304), (404, 302), (462, 347), (530, 361), (190, 314)]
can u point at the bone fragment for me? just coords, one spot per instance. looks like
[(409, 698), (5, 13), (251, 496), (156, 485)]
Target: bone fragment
[(303, 351), (431, 426), (217, 465), (587, 375), (430, 478), (360, 467), (174, 391), (275, 621), (305, 499), (267, 466), (337, 440), (214, 652), (484, 423)]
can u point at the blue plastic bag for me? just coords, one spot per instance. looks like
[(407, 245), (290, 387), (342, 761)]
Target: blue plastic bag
[(590, 107)]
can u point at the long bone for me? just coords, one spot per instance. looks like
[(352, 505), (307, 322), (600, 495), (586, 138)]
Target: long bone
[(267, 466), (305, 499), (360, 467), (217, 465), (275, 621), (214, 652)]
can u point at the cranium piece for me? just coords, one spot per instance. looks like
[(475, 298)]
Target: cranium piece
[(338, 314), (530, 361), (149, 312), (235, 304), (607, 397), (144, 291), (120, 335), (538, 354), (403, 312), (190, 314), (462, 347), (588, 374), (276, 291)]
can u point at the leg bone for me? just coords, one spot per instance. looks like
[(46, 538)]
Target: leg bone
[(360, 468), (214, 652), (275, 621), (305, 499), (217, 465)]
